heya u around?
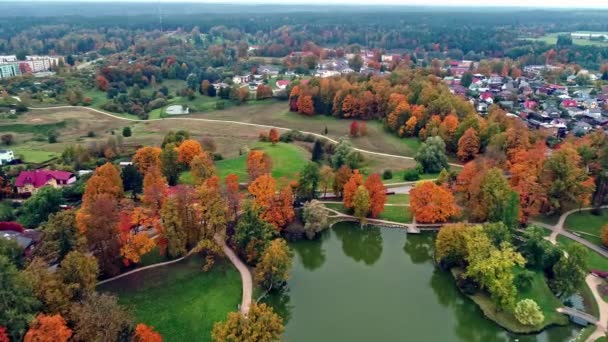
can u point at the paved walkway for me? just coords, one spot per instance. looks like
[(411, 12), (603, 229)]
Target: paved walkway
[(246, 277), (591, 280), (600, 328), (320, 136), (558, 229)]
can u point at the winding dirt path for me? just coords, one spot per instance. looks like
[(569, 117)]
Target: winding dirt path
[(246, 277), (320, 136)]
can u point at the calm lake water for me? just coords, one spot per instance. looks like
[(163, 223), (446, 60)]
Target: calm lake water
[(378, 284)]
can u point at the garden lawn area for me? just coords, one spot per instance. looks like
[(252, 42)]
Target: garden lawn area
[(395, 214), (539, 291), (551, 220), (180, 301), (398, 177), (594, 260), (287, 161), (587, 225), (34, 156), (42, 129), (398, 199)]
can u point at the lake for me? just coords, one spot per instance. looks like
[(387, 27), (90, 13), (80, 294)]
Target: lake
[(379, 284)]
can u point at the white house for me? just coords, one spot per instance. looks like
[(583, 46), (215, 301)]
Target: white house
[(6, 156)]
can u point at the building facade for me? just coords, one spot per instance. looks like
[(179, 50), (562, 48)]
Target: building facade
[(9, 70)]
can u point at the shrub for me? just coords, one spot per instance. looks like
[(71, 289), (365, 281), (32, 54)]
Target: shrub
[(411, 175), (605, 235), (523, 280), (90, 134), (218, 156), (263, 137), (52, 137), (219, 105), (467, 285), (387, 174), (527, 312), (126, 132)]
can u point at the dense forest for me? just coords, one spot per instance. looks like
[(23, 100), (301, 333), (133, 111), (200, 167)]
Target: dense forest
[(277, 30)]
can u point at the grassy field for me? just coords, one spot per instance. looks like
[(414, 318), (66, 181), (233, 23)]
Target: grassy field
[(587, 225), (594, 260), (180, 301), (398, 199), (551, 39), (34, 156), (539, 291), (287, 161)]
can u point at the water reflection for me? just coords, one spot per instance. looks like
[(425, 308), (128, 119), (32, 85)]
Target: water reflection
[(281, 303), (420, 249), (311, 252), (360, 243)]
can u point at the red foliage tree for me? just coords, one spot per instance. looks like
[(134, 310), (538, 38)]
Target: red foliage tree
[(102, 82), (273, 136), (377, 194), (351, 187), (144, 333), (354, 129), (258, 163)]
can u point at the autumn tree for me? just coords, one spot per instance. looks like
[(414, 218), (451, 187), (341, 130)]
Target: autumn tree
[(260, 324), (468, 145), (377, 194), (565, 180), (501, 203), (361, 202), (232, 194), (102, 82), (201, 167), (341, 177), (147, 158), (132, 180), (79, 271), (492, 267), (305, 105), (431, 203), (51, 328), (258, 163), (326, 178), (181, 222), (273, 269), (354, 129), (99, 318), (48, 287), (450, 245), (525, 168), (144, 333), (252, 234), (187, 150), (263, 189), (273, 136), (212, 210), (315, 218), (350, 188), (105, 180), (155, 190)]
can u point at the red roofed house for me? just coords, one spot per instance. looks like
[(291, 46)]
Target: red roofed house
[(31, 181), (530, 104), (569, 103), (282, 84)]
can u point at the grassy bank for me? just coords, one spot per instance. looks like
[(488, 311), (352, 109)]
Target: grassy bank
[(180, 301), (538, 291), (594, 260), (587, 225)]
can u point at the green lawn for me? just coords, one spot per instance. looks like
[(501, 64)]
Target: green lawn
[(33, 128), (395, 214), (594, 260), (180, 300), (398, 177), (587, 225), (539, 291), (398, 199), (287, 161), (551, 39), (34, 156)]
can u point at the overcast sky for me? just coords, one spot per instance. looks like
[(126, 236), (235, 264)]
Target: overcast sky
[(453, 3)]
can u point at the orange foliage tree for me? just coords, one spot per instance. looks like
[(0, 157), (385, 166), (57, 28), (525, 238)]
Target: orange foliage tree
[(525, 168), (144, 333), (147, 158), (51, 328), (273, 136), (431, 203), (201, 167), (341, 177), (263, 189), (155, 190), (468, 145), (233, 196), (258, 163), (351, 187), (377, 194), (280, 212), (105, 180), (187, 150), (305, 105)]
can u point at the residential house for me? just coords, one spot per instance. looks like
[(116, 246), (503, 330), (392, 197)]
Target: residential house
[(6, 156), (282, 84), (268, 70), (581, 128), (569, 103), (240, 79), (31, 181)]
